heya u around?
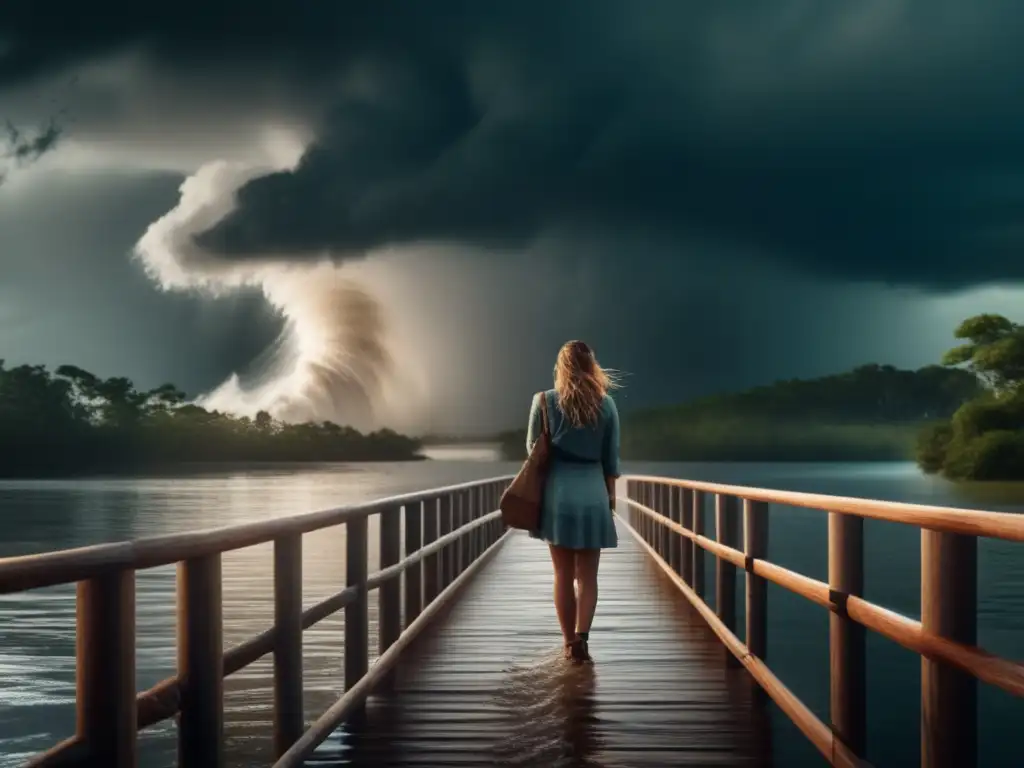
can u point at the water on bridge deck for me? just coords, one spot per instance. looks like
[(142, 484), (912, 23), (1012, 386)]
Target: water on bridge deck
[(488, 686)]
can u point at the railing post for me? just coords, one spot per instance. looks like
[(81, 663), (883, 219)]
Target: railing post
[(652, 527), (432, 562), (201, 663), (472, 539), (949, 697), (490, 530), (483, 508), (847, 649), (698, 551), (357, 618), (726, 532), (641, 518), (288, 711), (414, 573), (458, 518), (675, 514), (389, 611), (652, 502), (645, 499), (686, 545), (665, 535), (444, 528), (105, 658), (755, 546), (635, 516)]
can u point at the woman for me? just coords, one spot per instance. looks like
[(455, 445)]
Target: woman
[(576, 520)]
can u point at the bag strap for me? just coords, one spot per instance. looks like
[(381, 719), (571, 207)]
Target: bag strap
[(545, 428)]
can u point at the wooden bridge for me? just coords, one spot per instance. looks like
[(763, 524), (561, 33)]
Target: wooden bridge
[(485, 685)]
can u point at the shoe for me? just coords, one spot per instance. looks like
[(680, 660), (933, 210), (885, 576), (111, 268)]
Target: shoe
[(577, 652), (585, 651)]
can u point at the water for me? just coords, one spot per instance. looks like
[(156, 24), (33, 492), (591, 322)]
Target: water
[(37, 685)]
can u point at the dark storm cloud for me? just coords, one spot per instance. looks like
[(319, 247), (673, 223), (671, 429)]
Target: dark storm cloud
[(864, 140), (21, 148), (70, 294)]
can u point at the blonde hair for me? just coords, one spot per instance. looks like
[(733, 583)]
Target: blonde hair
[(581, 383)]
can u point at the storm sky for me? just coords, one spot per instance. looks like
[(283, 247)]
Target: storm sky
[(394, 212)]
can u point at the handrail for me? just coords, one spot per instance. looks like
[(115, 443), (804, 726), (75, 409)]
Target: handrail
[(449, 534), (945, 637), (46, 569), (970, 522)]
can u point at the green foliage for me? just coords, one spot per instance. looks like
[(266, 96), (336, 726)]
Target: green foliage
[(994, 350), (984, 439), (870, 413), (932, 445), (72, 420)]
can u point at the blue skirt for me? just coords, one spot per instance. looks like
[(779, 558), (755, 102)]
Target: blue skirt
[(576, 511)]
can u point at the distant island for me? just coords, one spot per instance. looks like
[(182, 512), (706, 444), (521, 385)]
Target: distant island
[(872, 413), (984, 438), (72, 421)]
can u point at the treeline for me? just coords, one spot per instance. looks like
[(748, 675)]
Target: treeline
[(71, 420), (872, 413), (984, 438)]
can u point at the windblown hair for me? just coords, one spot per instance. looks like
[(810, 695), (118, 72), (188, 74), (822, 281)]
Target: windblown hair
[(581, 383)]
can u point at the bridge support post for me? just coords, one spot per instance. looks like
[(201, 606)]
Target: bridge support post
[(755, 546), (686, 545), (201, 663), (413, 574), (389, 612), (641, 497), (727, 533), (649, 526), (472, 513), (105, 652), (459, 515), (288, 712), (665, 535), (495, 528), (676, 541), (847, 644), (482, 508), (698, 552), (444, 528), (636, 517), (357, 612), (432, 562), (949, 697)]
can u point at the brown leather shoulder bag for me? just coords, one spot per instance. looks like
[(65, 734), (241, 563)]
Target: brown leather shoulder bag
[(523, 500)]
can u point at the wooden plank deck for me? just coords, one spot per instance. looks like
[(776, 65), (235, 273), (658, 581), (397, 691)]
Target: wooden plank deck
[(488, 686)]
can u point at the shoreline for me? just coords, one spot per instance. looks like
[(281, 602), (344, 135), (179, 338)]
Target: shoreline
[(188, 468)]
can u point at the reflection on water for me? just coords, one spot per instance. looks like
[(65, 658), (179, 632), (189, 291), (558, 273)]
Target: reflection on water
[(466, 452), (553, 712), (37, 629)]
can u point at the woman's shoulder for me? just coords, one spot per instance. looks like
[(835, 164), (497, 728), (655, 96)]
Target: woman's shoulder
[(550, 395)]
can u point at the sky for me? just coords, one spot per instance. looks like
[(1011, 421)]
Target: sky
[(393, 213)]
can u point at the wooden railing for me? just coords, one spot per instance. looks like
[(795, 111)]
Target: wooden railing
[(449, 533), (666, 517)]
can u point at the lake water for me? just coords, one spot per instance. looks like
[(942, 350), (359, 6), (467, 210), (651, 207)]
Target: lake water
[(37, 630)]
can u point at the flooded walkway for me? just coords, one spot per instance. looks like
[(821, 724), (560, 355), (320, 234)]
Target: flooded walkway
[(488, 687)]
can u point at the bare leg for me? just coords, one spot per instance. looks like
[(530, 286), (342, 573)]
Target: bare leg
[(564, 562), (587, 561)]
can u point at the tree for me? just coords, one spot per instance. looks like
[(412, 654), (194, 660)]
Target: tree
[(994, 351), (984, 439), (73, 420)]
